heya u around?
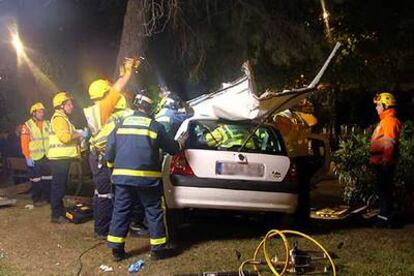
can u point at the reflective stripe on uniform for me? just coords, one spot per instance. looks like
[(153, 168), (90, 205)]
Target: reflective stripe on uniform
[(163, 119), (156, 241), (98, 141), (115, 239), (107, 195), (388, 140), (61, 146), (385, 142), (32, 152), (128, 172), (137, 121), (57, 149), (47, 177), (39, 139), (164, 215), (382, 217), (134, 131), (37, 179), (224, 136)]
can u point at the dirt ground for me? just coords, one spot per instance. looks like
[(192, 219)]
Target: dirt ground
[(31, 245)]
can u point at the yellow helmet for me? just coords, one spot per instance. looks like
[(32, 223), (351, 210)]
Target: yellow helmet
[(60, 98), (122, 103), (36, 106), (98, 88), (386, 98)]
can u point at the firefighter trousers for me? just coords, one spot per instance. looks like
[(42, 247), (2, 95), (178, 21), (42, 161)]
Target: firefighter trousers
[(102, 200), (125, 199), (41, 177), (384, 187), (60, 173)]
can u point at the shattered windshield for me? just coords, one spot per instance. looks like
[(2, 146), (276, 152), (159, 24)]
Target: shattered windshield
[(230, 136)]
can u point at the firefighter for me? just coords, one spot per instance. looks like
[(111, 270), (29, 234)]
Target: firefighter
[(98, 144), (133, 152), (384, 151), (64, 147), (35, 143), (102, 116), (168, 112)]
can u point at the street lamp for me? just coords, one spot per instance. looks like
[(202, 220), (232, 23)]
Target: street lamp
[(22, 57)]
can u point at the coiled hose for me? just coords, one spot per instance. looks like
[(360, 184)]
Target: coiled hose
[(282, 234)]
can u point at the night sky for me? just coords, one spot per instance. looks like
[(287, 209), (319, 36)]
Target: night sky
[(76, 41)]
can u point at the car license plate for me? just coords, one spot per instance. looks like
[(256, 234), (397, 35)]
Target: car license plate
[(232, 168)]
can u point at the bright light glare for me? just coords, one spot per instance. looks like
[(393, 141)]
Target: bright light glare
[(325, 16), (23, 58), (18, 45)]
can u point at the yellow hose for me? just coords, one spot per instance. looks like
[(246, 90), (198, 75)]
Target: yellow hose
[(282, 233)]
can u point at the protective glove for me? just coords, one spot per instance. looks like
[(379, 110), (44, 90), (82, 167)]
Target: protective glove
[(30, 163), (83, 132)]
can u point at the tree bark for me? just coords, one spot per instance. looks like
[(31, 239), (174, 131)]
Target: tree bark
[(132, 38)]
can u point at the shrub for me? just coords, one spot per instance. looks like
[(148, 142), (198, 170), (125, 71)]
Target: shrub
[(354, 172)]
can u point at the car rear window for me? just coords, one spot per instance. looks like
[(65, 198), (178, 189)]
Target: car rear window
[(230, 136)]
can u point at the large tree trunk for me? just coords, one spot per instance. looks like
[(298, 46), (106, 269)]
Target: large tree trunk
[(132, 39)]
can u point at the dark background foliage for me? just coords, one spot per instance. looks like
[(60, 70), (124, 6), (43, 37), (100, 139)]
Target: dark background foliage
[(204, 42)]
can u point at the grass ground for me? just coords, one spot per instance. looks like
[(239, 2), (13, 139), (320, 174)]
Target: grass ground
[(31, 245)]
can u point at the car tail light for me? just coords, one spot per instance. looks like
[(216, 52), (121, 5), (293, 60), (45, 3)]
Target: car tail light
[(292, 174), (179, 165)]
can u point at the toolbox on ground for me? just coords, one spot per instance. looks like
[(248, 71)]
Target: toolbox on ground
[(79, 213)]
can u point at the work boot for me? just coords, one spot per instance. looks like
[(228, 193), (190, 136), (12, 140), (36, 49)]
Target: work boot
[(59, 220), (383, 222), (161, 254), (118, 254)]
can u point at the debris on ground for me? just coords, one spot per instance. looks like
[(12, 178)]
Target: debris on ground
[(16, 189), (29, 206), (343, 212), (135, 267), (105, 268), (5, 201)]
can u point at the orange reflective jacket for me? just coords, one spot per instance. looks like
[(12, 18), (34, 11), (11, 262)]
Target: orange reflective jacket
[(384, 140)]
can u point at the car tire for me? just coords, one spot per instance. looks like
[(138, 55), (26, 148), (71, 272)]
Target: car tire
[(174, 220), (305, 172)]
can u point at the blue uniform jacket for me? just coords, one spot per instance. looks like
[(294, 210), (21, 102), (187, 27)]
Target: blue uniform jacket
[(133, 149), (171, 119)]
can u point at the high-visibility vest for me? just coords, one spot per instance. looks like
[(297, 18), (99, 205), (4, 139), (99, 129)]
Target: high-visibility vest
[(385, 139), (98, 142), (39, 139), (57, 149), (227, 137)]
